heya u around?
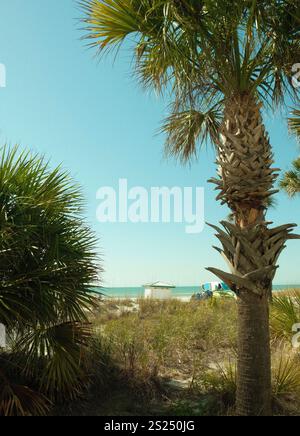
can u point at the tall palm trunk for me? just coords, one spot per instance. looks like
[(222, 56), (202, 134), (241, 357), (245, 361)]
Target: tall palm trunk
[(254, 356), (250, 247)]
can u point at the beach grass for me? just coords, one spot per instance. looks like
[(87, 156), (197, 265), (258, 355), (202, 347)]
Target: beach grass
[(178, 358)]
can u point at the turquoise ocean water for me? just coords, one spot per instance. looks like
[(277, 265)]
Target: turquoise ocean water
[(180, 291)]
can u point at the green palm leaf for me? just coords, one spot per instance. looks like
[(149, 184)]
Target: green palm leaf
[(47, 263), (179, 47), (184, 129), (291, 180), (294, 123), (285, 314)]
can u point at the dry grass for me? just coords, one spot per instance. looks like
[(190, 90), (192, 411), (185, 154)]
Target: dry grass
[(170, 357), (173, 339)]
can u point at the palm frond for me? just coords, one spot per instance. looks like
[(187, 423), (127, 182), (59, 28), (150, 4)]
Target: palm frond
[(54, 356), (286, 374), (285, 314), (17, 399), (291, 180), (294, 123), (179, 48), (185, 129), (109, 22), (47, 263)]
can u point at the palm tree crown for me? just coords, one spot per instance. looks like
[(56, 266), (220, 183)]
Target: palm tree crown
[(204, 51), (291, 181), (294, 123)]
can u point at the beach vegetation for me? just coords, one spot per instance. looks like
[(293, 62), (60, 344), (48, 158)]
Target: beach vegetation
[(177, 358), (291, 180), (223, 62), (47, 260)]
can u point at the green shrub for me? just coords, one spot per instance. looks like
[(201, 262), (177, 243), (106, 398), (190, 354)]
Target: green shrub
[(47, 260), (286, 373), (193, 345), (285, 314)]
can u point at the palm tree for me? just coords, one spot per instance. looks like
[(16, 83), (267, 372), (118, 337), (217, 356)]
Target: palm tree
[(222, 62), (291, 181), (47, 261), (294, 122)]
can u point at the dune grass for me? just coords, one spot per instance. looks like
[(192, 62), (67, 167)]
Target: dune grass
[(173, 358)]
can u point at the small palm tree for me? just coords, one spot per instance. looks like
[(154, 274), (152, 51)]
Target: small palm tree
[(294, 122), (285, 314), (222, 61), (291, 180), (47, 260)]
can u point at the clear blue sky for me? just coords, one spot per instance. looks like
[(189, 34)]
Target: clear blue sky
[(94, 118)]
